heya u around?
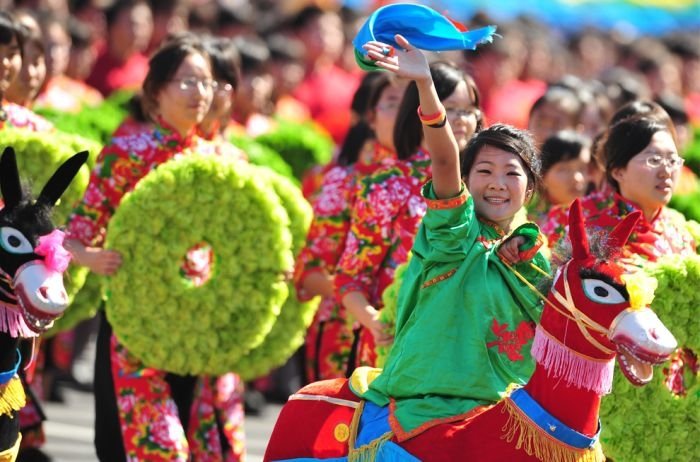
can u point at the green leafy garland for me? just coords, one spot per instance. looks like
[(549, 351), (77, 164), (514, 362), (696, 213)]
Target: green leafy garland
[(205, 329), (387, 315), (651, 423), (301, 144), (97, 123), (687, 204), (693, 227), (692, 154), (260, 155), (40, 154), (289, 330)]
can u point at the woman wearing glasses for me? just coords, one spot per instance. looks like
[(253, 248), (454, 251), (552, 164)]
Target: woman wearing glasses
[(642, 167), (160, 416)]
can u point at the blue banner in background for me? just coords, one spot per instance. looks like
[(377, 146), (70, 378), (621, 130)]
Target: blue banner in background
[(650, 17)]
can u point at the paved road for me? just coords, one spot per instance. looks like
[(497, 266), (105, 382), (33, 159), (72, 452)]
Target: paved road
[(69, 429)]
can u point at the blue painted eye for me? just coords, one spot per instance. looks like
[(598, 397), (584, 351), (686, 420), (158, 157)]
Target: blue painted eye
[(602, 292), (13, 241)]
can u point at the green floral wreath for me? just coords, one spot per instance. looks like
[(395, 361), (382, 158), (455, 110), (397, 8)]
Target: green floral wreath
[(693, 227), (651, 422), (687, 204), (301, 145), (259, 154), (96, 123), (40, 154), (387, 315), (289, 330), (155, 312), (692, 154)]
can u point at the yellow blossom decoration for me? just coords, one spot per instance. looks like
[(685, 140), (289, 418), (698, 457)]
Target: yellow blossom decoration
[(641, 288)]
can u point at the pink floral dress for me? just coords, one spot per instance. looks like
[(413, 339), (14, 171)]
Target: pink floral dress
[(149, 419), (384, 218), (330, 338)]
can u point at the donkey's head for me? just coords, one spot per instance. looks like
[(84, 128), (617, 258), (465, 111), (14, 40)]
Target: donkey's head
[(594, 312), (32, 257)]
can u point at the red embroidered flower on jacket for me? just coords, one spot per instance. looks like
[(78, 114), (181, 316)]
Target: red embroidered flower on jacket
[(511, 342)]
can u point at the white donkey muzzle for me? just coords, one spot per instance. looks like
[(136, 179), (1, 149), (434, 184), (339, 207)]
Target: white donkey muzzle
[(41, 294)]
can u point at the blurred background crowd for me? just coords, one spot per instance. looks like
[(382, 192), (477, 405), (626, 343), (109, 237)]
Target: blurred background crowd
[(298, 61)]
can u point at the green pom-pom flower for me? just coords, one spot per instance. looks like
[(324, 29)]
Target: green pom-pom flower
[(289, 330), (40, 154), (653, 422), (301, 145), (157, 313), (387, 315)]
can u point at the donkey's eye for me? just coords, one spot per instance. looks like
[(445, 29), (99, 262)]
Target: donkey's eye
[(602, 292), (13, 241)]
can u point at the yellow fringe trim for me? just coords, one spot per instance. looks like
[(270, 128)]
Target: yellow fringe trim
[(10, 455), (368, 452), (534, 441), (12, 397)]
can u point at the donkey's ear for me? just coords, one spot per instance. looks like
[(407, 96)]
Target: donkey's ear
[(60, 180), (9, 178), (577, 232), (619, 235)]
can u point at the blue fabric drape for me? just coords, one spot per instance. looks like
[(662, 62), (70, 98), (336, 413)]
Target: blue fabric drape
[(423, 27)]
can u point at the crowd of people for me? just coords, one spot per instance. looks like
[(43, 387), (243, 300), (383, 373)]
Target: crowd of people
[(537, 119)]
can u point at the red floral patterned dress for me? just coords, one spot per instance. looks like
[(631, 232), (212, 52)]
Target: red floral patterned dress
[(149, 419), (387, 209), (330, 338), (30, 416), (665, 234)]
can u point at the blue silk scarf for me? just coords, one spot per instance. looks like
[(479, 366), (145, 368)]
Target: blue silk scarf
[(423, 27)]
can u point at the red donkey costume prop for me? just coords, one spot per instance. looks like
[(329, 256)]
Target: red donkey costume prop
[(588, 321)]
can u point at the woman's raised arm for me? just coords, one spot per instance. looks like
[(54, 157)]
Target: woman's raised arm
[(411, 63)]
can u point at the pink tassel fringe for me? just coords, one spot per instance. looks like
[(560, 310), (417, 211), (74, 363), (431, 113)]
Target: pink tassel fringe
[(577, 371), (12, 322)]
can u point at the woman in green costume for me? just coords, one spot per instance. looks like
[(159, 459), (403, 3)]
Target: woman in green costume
[(465, 321)]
